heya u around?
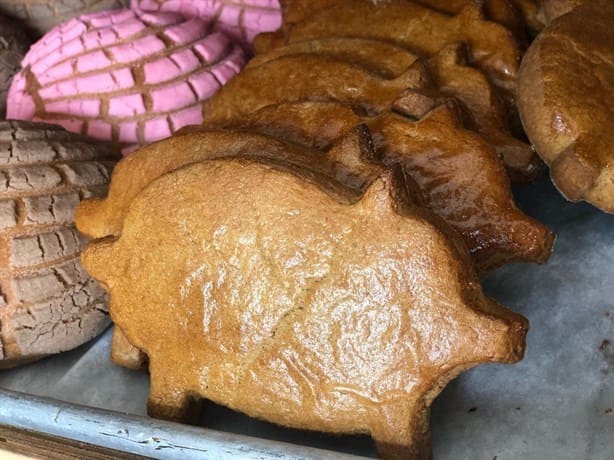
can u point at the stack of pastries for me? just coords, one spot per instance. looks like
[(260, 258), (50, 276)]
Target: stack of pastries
[(309, 251)]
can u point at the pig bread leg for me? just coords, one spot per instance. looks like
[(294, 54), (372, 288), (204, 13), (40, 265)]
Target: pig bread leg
[(400, 432), (168, 398), (125, 354)]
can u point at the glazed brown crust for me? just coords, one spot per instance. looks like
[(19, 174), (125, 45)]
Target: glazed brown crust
[(345, 348), (565, 97), (426, 31), (450, 73), (455, 170), (552, 9)]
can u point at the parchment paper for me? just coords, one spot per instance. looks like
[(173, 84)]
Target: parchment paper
[(558, 403)]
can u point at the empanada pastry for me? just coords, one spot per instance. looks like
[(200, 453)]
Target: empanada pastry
[(425, 31), (48, 302), (281, 293), (459, 177), (566, 96), (452, 76)]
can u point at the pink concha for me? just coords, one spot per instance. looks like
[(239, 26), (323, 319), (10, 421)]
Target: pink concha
[(241, 19), (127, 76)]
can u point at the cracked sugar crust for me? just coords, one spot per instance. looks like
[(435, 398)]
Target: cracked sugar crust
[(48, 302), (14, 45), (42, 15), (240, 19), (566, 102), (124, 76)]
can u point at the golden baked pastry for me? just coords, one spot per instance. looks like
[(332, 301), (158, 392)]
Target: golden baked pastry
[(98, 218), (421, 29), (310, 77), (452, 76), (285, 295), (566, 96), (459, 177)]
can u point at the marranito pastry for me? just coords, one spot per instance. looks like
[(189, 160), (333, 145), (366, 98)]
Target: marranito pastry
[(343, 348), (566, 96)]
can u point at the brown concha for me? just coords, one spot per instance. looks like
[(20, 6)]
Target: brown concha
[(48, 303)]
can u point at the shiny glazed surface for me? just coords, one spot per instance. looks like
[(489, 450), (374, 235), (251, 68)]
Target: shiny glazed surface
[(457, 173), (566, 101), (296, 307)]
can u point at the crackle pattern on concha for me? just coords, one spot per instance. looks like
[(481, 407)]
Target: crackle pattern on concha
[(14, 45), (240, 19), (124, 76), (566, 101), (354, 345), (48, 303), (43, 15)]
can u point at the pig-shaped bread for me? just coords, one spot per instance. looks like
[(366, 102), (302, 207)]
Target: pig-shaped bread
[(449, 74), (284, 294), (426, 31), (458, 174)]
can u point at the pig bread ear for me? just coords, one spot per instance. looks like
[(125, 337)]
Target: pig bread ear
[(389, 192), (417, 76), (353, 158), (453, 54), (472, 12)]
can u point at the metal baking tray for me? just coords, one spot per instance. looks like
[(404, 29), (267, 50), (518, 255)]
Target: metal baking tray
[(558, 403)]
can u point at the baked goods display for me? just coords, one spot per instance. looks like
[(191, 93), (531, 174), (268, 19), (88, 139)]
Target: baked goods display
[(41, 16), (240, 19), (123, 76), (48, 302), (342, 339), (568, 115), (13, 46), (299, 240)]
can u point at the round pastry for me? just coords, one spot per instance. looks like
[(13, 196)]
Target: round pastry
[(241, 19), (125, 76), (13, 46), (565, 97), (41, 15), (48, 303)]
